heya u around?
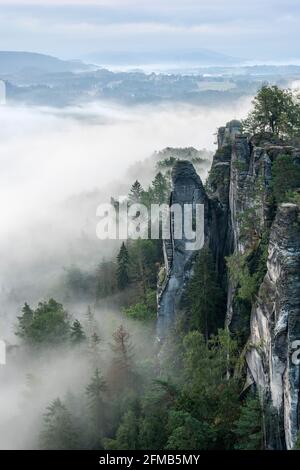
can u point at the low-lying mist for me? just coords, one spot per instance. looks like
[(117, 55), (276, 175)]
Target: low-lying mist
[(56, 166)]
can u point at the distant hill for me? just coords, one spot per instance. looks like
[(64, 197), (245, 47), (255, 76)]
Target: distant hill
[(201, 57), (15, 62)]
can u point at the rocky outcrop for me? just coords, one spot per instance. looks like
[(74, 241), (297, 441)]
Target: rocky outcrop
[(241, 219), (275, 327), (187, 188), (275, 315)]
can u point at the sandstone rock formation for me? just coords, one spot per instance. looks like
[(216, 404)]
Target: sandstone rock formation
[(240, 216)]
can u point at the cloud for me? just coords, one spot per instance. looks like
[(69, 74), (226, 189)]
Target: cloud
[(47, 157), (71, 28)]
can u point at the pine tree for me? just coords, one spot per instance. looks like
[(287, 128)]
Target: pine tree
[(188, 433), (48, 324), (127, 437), (121, 345), (106, 279), (25, 321), (123, 267), (208, 393), (77, 333), (145, 256), (91, 322), (93, 337), (136, 192), (156, 404), (160, 189), (121, 373), (205, 296), (59, 431), (248, 428)]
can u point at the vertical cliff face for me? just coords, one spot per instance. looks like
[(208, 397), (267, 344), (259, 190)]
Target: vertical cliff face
[(187, 188), (241, 219), (275, 315), (275, 326)]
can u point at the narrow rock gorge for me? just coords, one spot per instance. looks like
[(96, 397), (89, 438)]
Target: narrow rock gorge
[(248, 233)]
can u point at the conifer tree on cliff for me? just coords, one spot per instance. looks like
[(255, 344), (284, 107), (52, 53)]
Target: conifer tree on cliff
[(123, 267), (136, 192), (160, 189)]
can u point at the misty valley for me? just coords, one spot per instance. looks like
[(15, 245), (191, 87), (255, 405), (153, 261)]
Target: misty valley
[(150, 246)]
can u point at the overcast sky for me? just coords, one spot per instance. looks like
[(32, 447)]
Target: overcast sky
[(263, 30)]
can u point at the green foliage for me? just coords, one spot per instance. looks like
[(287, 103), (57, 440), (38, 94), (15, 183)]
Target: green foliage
[(78, 283), (92, 333), (95, 390), (258, 264), (145, 256), (293, 197), (200, 411), (158, 192), (59, 432), (217, 176), (136, 193), (162, 274), (209, 393), (95, 395), (77, 333), (274, 110), (47, 325), (123, 267), (249, 219), (170, 156), (186, 432), (148, 197), (249, 223), (121, 374), (247, 270), (193, 401), (143, 311), (205, 296), (127, 437), (297, 445), (240, 275), (286, 177), (248, 427), (161, 189), (240, 165), (207, 363), (167, 163), (25, 321), (248, 286), (224, 153), (106, 284), (155, 406)]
